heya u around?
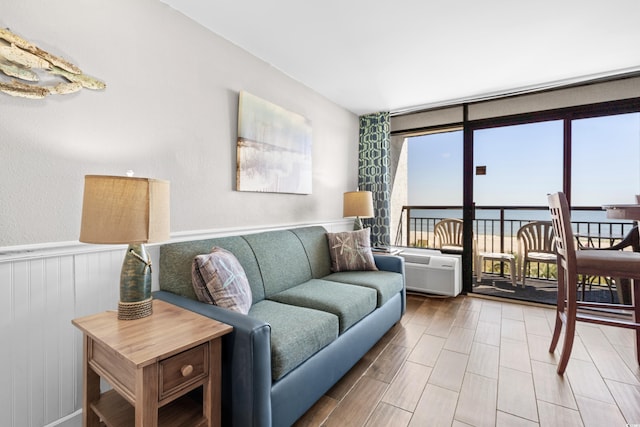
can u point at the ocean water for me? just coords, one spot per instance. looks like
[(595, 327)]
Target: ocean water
[(487, 220)]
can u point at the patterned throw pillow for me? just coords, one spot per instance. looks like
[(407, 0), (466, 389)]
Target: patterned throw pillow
[(351, 250), (218, 278)]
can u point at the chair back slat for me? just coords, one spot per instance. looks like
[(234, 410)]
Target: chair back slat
[(563, 234)]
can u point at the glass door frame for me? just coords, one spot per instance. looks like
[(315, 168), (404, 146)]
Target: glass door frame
[(566, 114)]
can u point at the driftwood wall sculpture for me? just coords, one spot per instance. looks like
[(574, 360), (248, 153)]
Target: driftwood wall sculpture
[(19, 58)]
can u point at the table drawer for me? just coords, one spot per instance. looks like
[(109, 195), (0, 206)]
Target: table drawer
[(183, 370)]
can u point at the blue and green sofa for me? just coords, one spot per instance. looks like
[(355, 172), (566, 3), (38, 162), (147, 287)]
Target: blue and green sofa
[(306, 327)]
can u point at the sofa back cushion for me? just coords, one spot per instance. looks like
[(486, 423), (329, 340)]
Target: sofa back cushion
[(176, 260), (273, 260), (314, 240), (282, 260)]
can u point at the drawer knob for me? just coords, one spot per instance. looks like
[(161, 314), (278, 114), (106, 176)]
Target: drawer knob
[(186, 370)]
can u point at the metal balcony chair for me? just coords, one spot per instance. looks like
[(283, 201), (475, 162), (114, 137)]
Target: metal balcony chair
[(448, 238), (570, 264), (535, 244)]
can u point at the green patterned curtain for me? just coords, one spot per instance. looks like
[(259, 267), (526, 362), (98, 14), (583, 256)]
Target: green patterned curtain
[(373, 173)]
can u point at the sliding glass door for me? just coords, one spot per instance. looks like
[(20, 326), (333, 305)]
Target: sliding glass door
[(495, 174), (605, 160), (594, 159), (515, 167)]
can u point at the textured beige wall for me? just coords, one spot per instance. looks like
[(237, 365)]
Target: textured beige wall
[(169, 111)]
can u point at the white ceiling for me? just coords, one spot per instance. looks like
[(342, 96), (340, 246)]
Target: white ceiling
[(394, 55)]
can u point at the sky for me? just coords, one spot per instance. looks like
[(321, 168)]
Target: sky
[(524, 163)]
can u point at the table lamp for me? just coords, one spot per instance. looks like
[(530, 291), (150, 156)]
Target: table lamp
[(358, 204), (123, 209)]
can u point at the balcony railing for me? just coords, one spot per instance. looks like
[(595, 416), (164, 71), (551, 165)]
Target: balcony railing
[(495, 229)]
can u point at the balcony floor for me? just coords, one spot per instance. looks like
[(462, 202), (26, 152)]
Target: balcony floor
[(535, 290)]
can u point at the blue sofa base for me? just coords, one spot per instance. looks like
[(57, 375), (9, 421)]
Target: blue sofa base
[(276, 262), (292, 396)]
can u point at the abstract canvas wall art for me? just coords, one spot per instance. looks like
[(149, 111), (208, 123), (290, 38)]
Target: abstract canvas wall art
[(273, 149)]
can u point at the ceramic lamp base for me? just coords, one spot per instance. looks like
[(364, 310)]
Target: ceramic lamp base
[(135, 284), (357, 224)]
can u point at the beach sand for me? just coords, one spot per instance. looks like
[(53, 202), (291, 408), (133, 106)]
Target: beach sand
[(484, 242)]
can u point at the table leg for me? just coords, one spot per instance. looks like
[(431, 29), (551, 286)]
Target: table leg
[(90, 385), (146, 406), (635, 296), (212, 405)]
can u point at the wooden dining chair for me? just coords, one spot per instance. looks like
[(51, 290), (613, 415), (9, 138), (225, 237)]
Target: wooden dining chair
[(570, 264)]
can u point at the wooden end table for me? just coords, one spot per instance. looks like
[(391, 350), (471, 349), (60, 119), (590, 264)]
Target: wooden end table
[(151, 364)]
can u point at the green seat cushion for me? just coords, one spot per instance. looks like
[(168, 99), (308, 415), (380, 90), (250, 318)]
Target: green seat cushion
[(349, 303), (297, 333), (386, 283)]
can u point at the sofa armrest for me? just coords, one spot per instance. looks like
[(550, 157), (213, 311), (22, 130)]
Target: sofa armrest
[(246, 362), (394, 264), (389, 263)]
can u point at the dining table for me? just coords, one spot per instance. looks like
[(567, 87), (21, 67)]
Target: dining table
[(629, 212)]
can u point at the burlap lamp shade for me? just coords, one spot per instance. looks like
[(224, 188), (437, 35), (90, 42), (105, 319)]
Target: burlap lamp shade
[(358, 204)]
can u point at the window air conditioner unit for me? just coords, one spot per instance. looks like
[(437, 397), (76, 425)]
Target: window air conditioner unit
[(432, 272)]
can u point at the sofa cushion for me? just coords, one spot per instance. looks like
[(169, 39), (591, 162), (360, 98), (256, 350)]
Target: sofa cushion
[(218, 278), (314, 240), (386, 283), (350, 303), (297, 333), (176, 259), (351, 250), (282, 259)]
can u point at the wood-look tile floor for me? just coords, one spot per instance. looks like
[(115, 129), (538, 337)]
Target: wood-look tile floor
[(469, 361)]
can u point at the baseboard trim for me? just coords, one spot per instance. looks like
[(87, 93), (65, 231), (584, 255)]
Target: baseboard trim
[(71, 420)]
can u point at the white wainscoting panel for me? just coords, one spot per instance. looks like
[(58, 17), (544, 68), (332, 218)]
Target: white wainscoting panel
[(41, 354)]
